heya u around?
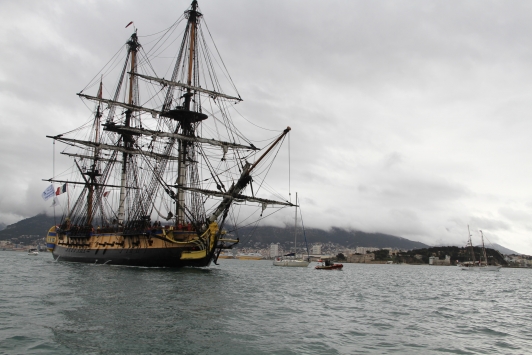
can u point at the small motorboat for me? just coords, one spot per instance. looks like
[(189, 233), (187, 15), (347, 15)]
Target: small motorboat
[(328, 265), (33, 252)]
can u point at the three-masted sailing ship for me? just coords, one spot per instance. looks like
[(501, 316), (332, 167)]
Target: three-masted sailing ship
[(160, 168)]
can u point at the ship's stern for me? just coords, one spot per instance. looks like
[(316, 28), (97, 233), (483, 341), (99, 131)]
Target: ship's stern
[(51, 239)]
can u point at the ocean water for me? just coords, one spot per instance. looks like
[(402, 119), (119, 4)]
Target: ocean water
[(252, 307)]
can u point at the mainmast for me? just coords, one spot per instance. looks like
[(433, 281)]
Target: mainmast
[(97, 121), (295, 232), (186, 125), (133, 45)]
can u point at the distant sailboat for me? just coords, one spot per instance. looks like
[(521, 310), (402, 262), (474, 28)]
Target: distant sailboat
[(474, 266), (291, 259)]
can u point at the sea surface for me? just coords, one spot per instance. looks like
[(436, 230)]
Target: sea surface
[(252, 307)]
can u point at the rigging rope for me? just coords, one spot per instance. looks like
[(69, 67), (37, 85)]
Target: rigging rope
[(289, 192), (219, 56)]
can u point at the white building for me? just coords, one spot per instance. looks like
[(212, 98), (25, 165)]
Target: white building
[(316, 249), (274, 250), (364, 250), (434, 260)]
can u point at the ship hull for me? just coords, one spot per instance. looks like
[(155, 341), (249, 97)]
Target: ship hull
[(156, 248), (146, 257)]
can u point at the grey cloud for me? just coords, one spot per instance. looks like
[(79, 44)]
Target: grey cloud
[(408, 118)]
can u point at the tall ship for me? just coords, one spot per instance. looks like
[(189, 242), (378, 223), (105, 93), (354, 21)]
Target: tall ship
[(480, 265), (160, 167)]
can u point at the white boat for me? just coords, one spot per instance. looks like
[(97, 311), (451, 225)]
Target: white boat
[(33, 252), (480, 268), (480, 265), (290, 262), (291, 259)]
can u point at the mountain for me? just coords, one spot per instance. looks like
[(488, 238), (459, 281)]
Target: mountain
[(502, 249), (36, 226), (249, 236)]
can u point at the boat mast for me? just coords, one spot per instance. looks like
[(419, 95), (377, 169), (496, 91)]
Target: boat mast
[(295, 232), (483, 248), (97, 121), (471, 244), (133, 45), (186, 126), (94, 171)]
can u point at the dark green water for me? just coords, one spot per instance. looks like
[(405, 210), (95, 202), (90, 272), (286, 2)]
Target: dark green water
[(252, 307)]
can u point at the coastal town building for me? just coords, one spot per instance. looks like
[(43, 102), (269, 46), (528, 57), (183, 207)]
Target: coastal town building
[(274, 250), (316, 249), (434, 260), (361, 258), (519, 260), (364, 250)]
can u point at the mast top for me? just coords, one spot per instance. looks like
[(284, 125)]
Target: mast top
[(193, 13), (133, 41)]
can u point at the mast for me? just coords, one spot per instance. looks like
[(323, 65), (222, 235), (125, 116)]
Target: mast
[(187, 127), (295, 232), (471, 245), (97, 121), (133, 45), (94, 171), (483, 248)]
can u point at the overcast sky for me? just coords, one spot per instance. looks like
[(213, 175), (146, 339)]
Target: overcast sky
[(409, 117)]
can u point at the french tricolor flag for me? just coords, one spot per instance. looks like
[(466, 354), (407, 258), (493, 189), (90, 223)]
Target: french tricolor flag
[(61, 189)]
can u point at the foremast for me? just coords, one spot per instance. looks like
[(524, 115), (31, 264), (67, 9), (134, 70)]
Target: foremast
[(94, 171)]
